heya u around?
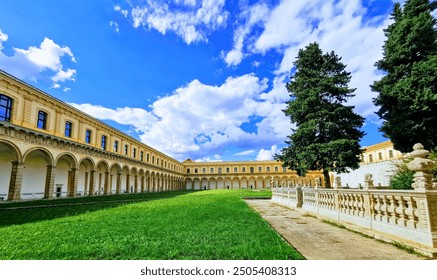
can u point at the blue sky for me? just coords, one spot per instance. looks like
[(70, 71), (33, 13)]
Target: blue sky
[(199, 79)]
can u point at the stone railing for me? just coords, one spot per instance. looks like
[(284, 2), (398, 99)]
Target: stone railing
[(405, 216)]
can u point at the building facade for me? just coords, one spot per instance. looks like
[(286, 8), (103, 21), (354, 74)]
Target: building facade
[(51, 149), (378, 165)]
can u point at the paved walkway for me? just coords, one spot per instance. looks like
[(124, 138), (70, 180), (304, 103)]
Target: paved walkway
[(317, 240)]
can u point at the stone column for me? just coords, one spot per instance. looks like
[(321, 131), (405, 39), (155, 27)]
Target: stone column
[(15, 182), (136, 183), (92, 182), (142, 184), (50, 181), (86, 184), (127, 183), (106, 184), (118, 184), (72, 182)]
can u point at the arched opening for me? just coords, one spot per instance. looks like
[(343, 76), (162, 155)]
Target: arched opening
[(86, 174), (115, 179), (9, 158), (125, 178), (38, 175), (65, 176), (102, 180)]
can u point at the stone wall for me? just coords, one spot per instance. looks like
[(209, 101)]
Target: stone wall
[(408, 217)]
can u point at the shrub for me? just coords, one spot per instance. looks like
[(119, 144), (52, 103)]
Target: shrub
[(403, 178)]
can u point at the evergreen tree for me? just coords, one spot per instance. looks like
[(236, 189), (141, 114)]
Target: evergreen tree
[(327, 132), (407, 97)]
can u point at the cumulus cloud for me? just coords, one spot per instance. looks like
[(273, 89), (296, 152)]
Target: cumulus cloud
[(268, 154), (200, 120), (31, 63), (251, 16), (340, 26), (189, 19)]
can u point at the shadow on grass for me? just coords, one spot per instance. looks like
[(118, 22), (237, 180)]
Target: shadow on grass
[(17, 213)]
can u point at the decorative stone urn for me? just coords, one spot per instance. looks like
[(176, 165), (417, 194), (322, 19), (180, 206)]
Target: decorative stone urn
[(337, 183), (422, 168)]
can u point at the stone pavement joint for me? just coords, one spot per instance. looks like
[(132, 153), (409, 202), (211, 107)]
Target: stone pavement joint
[(317, 240)]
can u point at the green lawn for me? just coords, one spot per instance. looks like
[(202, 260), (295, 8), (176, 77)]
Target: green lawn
[(214, 224)]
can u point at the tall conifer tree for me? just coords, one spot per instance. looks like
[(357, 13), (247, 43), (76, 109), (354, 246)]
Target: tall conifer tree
[(327, 132), (407, 97)]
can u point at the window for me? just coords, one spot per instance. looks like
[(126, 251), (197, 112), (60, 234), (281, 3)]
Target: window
[(276, 169), (284, 169), (188, 170), (68, 129), (125, 150), (103, 144), (88, 136), (42, 120), (251, 169), (370, 158), (380, 156), (211, 170), (196, 170), (235, 169), (260, 169), (115, 146), (147, 157), (227, 169), (153, 159), (268, 168), (5, 108), (204, 170), (390, 154), (219, 170), (134, 153), (142, 156), (243, 169)]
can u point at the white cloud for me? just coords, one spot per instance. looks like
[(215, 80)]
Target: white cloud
[(337, 25), (3, 38), (245, 153), (190, 20), (200, 120), (114, 25), (63, 76), (251, 17), (268, 154), (117, 8), (34, 62)]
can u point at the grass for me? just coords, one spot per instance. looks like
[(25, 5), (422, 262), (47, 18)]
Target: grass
[(214, 224)]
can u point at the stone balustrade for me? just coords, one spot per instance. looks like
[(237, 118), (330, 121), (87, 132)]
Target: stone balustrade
[(405, 216)]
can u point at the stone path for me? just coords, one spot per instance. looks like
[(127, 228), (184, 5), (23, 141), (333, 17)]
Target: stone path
[(317, 240)]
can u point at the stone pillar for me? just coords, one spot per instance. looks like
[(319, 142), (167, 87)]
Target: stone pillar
[(136, 183), (368, 181), (127, 183), (15, 182), (106, 184), (72, 182), (50, 181), (422, 182), (422, 168), (142, 184), (85, 190), (92, 182), (118, 184)]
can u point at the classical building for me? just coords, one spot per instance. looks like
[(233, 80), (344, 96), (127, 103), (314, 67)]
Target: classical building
[(51, 149), (378, 165), (243, 174)]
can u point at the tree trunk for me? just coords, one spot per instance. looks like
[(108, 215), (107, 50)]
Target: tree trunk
[(327, 178)]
